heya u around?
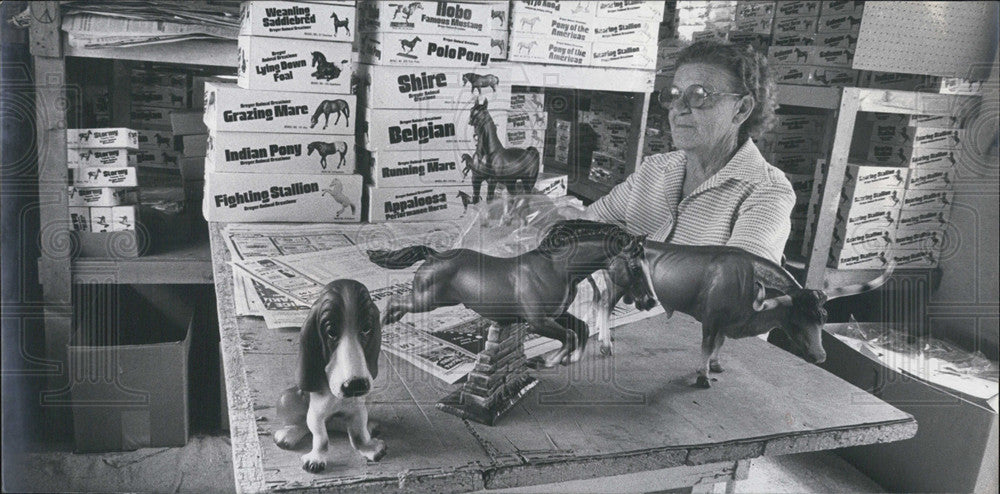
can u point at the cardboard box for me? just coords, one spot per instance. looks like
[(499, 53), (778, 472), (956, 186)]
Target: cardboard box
[(526, 138), (101, 196), (248, 197), (183, 123), (833, 57), (836, 40), (276, 64), (123, 218), (159, 96), (106, 138), (875, 178), (397, 130), (228, 108), (794, 39), (938, 138), (625, 31), (912, 156), (156, 139), (194, 145), (957, 85), (523, 120), (640, 10), (897, 81), (527, 101), (79, 218), (786, 9), (300, 20), (799, 124), (901, 120), (249, 152), (859, 199), (159, 77), (934, 200), (150, 117), (841, 7), (101, 219), (849, 223), (124, 176), (192, 168), (862, 250), (795, 26), (390, 169), (141, 399), (498, 44), (158, 158), (552, 184), (919, 239), (794, 162), (549, 50), (575, 29), (438, 88), (425, 17), (931, 178), (877, 259), (802, 185), (791, 55), (426, 50), (755, 10), (581, 10), (754, 26), (838, 23), (85, 158), (790, 143), (431, 203), (632, 56), (923, 219)]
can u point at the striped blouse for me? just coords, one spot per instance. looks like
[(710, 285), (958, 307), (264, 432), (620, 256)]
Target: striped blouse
[(746, 204)]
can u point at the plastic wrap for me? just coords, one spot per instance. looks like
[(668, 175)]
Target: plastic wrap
[(510, 226)]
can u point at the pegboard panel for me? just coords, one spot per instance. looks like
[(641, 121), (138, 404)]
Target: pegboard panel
[(948, 39)]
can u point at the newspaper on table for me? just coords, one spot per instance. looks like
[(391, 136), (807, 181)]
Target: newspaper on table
[(430, 341)]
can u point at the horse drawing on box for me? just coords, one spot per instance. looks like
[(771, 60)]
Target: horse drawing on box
[(168, 158), (526, 47), (498, 44), (325, 70), (338, 23), (410, 44), (581, 7), (535, 288), (480, 81), (407, 10), (529, 22), (93, 175), (514, 168), (336, 191), (337, 106), (466, 200), (468, 163), (498, 14), (325, 149)]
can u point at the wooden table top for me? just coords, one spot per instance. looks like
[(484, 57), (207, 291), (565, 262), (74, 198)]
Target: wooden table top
[(630, 412)]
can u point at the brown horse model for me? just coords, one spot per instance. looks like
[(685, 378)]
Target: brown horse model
[(727, 289), (535, 287), (514, 168)]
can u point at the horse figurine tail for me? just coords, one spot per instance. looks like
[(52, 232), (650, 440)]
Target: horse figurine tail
[(401, 258)]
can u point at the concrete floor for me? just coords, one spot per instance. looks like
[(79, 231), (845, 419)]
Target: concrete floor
[(205, 466)]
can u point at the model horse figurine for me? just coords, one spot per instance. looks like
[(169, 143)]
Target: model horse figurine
[(534, 288), (514, 168), (734, 294)]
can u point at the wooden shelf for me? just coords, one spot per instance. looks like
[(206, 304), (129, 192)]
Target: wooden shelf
[(182, 264), (809, 96), (199, 52), (586, 78), (909, 102)]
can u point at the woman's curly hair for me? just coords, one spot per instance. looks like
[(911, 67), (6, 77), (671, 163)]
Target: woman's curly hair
[(750, 69)]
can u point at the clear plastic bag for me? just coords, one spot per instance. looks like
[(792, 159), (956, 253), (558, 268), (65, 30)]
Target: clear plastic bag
[(512, 225)]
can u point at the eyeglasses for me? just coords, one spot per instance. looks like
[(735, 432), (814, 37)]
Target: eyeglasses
[(695, 96)]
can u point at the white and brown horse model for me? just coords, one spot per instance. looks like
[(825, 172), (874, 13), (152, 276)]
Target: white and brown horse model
[(734, 294), (339, 347), (514, 168)]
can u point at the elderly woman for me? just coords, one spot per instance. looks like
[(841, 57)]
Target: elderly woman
[(717, 189)]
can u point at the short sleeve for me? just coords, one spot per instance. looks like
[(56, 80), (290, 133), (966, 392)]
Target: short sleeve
[(613, 207), (763, 222)]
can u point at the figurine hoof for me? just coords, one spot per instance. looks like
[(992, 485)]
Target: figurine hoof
[(703, 382), (375, 450), (605, 350), (715, 367)]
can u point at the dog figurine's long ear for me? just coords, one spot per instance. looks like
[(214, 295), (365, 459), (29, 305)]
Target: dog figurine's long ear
[(313, 353), (373, 337)]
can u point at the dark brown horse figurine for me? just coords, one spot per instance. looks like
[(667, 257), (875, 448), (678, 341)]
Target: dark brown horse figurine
[(534, 288), (511, 167)]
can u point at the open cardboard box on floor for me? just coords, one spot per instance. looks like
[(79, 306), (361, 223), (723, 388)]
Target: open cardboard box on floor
[(955, 449), (129, 371)]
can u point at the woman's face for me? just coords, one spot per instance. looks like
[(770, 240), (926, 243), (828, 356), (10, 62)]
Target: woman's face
[(718, 121)]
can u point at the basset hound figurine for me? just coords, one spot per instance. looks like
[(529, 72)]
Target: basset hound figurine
[(339, 347)]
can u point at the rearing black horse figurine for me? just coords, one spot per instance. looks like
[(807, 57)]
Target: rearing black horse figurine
[(535, 287), (511, 167)]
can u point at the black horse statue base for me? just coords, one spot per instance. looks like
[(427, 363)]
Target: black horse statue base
[(499, 380)]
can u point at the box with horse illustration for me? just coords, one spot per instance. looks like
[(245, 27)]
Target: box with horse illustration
[(251, 152), (228, 108), (256, 197), (438, 87), (278, 64), (401, 130)]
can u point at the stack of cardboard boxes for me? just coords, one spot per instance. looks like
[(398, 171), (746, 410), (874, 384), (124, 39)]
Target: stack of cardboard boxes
[(499, 28), (709, 19), (621, 34), (103, 196), (895, 205), (426, 66), (813, 43), (281, 140)]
